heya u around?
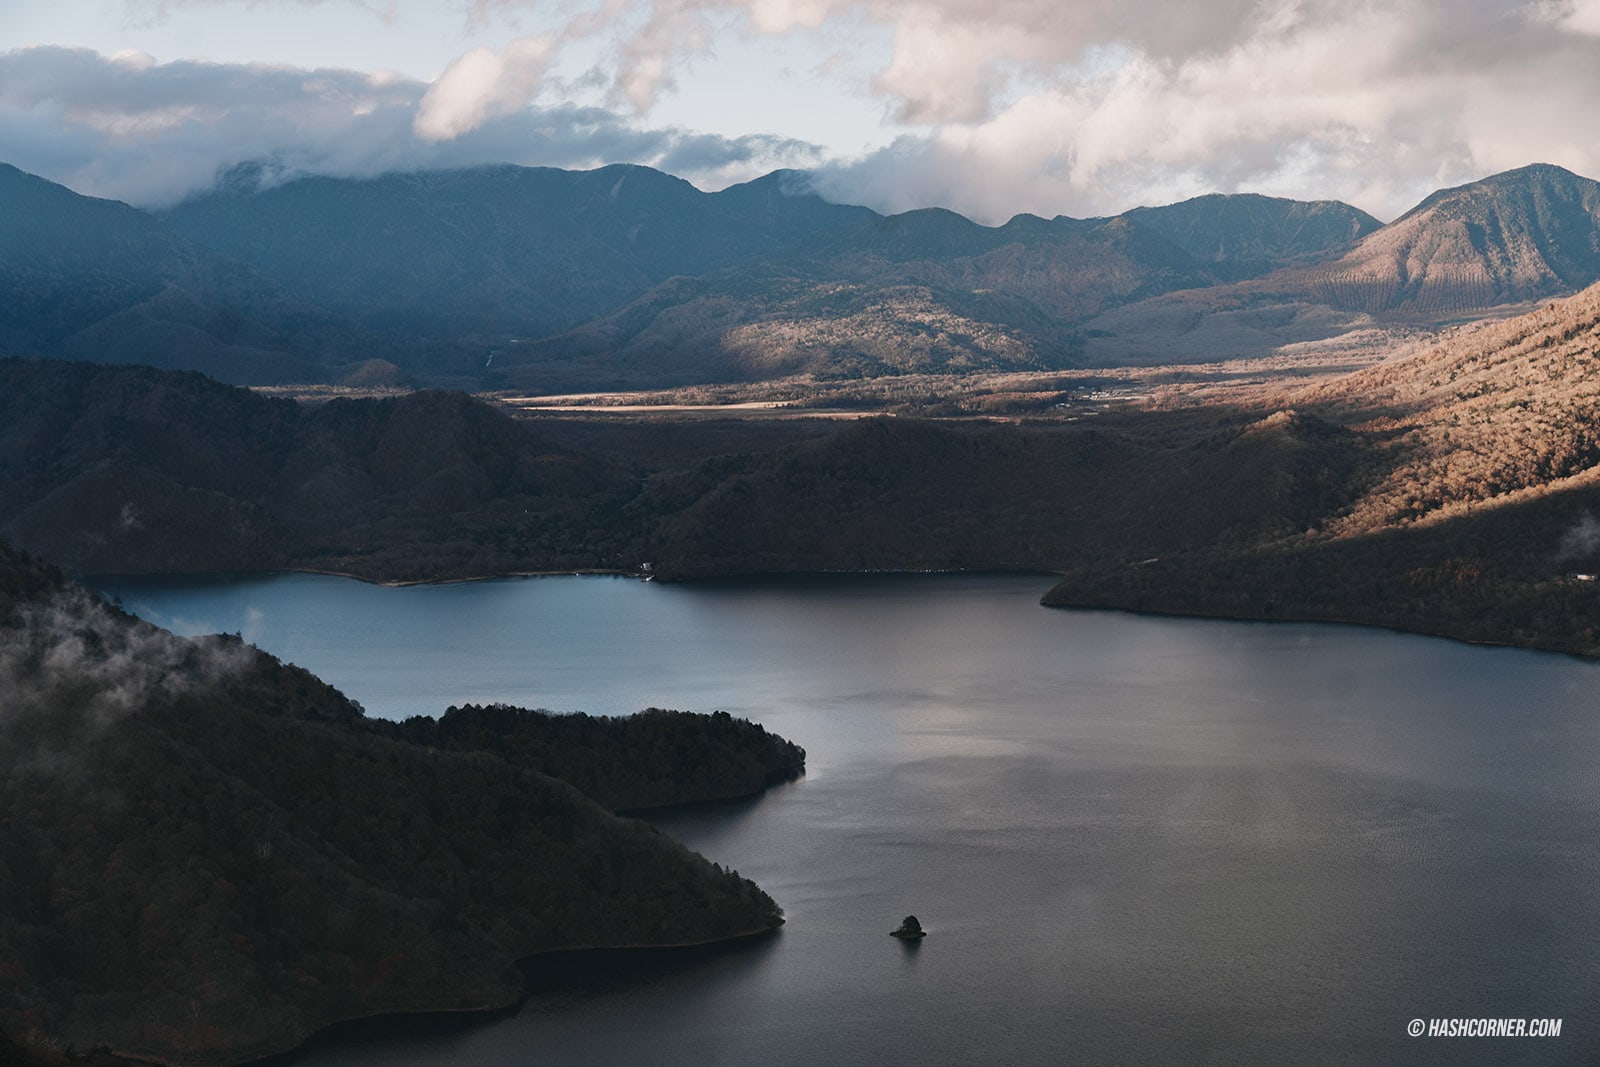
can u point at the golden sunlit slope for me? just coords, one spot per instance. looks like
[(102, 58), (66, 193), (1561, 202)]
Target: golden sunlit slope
[(1494, 412), (1493, 246), (1522, 235), (1472, 510)]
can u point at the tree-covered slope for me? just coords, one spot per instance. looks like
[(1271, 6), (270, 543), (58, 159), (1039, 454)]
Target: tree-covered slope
[(1244, 235), (1475, 507), (651, 759), (208, 855), (502, 250), (129, 469), (99, 280)]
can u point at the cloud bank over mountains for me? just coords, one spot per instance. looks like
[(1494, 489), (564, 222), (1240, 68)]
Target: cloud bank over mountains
[(150, 133), (996, 106)]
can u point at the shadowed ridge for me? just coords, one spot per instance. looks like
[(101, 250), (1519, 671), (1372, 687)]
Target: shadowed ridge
[(99, 280), (130, 469), (1245, 234), (496, 250)]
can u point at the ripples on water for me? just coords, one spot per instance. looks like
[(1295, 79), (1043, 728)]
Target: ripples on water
[(1132, 840)]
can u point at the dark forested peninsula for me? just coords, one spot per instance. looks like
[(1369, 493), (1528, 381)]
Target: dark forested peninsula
[(208, 855), (653, 759)]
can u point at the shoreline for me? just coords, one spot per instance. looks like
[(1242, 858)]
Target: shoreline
[(471, 1016), (1330, 621), (99, 577), (1044, 600), (416, 1016)]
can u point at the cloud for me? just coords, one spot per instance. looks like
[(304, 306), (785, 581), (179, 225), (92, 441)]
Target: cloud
[(483, 84), (994, 106), (1092, 106), (151, 133), (71, 669), (1088, 111), (672, 34)]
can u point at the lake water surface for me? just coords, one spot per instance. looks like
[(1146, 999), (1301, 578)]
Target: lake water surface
[(1132, 839)]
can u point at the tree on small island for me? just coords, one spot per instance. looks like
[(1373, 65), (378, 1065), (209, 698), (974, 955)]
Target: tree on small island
[(909, 927)]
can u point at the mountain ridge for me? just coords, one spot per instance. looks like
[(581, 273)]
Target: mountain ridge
[(1522, 235), (551, 279), (1495, 245)]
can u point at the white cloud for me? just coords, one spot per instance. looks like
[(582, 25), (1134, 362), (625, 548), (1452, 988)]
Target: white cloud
[(152, 134), (1374, 103), (1575, 16), (1090, 106), (998, 106), (483, 84)]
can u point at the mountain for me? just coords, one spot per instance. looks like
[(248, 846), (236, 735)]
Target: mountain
[(1067, 268), (1524, 235), (496, 251), (925, 291), (1472, 511), (209, 855), (99, 280), (1508, 240), (624, 276), (1245, 235)]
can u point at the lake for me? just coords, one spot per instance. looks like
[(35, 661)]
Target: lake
[(1131, 839)]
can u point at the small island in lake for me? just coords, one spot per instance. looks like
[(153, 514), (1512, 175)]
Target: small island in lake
[(910, 929), (208, 855)]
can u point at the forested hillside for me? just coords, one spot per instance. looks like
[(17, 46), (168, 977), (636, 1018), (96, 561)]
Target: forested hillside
[(129, 469), (208, 855), (1477, 512)]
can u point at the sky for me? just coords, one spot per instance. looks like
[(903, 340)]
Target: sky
[(988, 107)]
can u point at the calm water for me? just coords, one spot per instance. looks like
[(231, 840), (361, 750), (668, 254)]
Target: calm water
[(1133, 840)]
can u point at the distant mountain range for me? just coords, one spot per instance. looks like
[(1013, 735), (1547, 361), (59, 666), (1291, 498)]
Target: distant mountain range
[(544, 278), (1506, 241)]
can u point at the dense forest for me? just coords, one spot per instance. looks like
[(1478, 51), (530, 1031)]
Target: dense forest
[(208, 855), (133, 469), (653, 759)]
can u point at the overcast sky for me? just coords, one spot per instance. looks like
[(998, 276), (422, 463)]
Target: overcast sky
[(990, 107)]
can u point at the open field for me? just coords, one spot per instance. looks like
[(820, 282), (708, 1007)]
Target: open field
[(1055, 395)]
